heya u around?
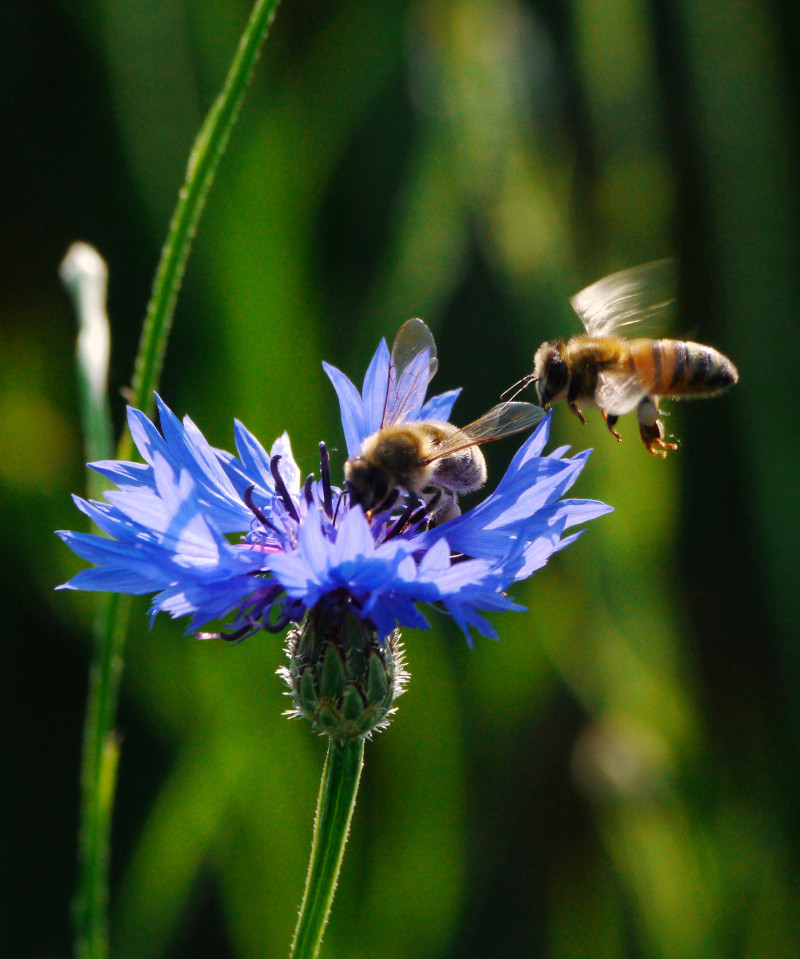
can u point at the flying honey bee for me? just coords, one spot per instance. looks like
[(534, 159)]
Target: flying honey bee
[(429, 460), (601, 368)]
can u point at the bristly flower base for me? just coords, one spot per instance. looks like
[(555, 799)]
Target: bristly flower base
[(341, 675)]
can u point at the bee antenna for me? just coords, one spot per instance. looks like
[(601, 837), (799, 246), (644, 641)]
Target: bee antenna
[(519, 386)]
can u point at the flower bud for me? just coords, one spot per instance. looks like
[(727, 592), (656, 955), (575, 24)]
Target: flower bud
[(342, 677)]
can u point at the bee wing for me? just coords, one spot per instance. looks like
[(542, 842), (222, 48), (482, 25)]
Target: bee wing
[(618, 392), (641, 295), (501, 420), (412, 366)]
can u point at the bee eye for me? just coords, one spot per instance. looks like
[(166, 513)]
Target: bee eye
[(556, 375), (368, 486)]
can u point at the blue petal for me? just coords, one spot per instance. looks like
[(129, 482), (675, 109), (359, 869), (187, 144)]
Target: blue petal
[(440, 407), (124, 475), (146, 437), (351, 407), (110, 580), (354, 539), (374, 393), (582, 510), (288, 469), (254, 458), (534, 445)]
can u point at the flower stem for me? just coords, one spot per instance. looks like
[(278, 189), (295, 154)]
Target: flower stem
[(337, 799), (100, 746)]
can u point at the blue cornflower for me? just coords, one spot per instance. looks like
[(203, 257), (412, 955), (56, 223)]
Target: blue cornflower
[(302, 547)]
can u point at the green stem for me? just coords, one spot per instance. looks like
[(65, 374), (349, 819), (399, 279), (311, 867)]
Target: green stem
[(337, 799), (100, 746), (208, 148), (98, 778)]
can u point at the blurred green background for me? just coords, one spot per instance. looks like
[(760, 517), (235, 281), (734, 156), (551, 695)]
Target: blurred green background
[(620, 775)]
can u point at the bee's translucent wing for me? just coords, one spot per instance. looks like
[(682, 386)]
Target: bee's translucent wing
[(640, 297), (501, 420), (412, 366), (618, 392)]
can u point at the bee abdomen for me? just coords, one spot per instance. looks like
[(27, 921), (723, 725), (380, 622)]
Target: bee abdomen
[(681, 368)]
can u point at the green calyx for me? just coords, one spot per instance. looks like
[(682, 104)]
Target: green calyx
[(341, 676)]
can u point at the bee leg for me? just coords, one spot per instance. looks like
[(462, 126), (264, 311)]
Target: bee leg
[(651, 428), (441, 507), (431, 506), (611, 422), (447, 511), (653, 438), (578, 413)]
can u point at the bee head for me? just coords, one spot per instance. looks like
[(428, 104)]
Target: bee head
[(551, 373), (368, 485)]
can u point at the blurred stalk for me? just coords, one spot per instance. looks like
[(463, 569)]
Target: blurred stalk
[(101, 746), (337, 799), (99, 777), (85, 275)]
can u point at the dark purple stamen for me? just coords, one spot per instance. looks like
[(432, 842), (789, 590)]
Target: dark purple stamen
[(325, 472), (235, 637), (350, 499), (420, 515), (280, 486), (250, 504), (411, 504), (256, 511), (279, 625), (307, 489), (292, 612)]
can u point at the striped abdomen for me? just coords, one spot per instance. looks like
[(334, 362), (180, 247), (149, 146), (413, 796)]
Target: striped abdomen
[(679, 368)]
